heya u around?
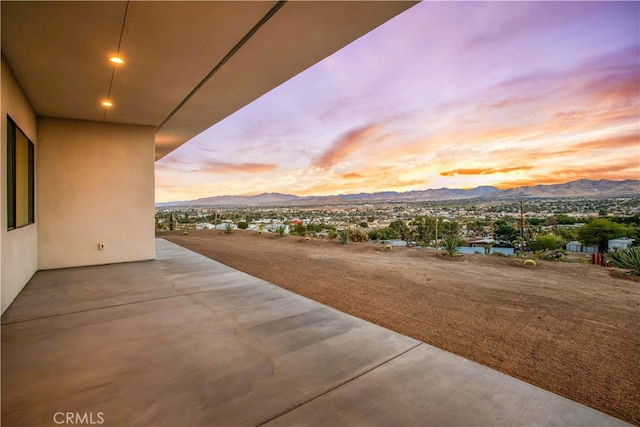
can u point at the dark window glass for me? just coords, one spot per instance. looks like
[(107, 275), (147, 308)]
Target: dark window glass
[(20, 178)]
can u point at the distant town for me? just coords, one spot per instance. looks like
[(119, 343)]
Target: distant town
[(572, 224)]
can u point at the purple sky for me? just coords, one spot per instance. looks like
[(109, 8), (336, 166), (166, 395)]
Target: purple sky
[(447, 94)]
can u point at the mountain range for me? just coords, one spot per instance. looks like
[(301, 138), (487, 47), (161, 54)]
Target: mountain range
[(581, 188)]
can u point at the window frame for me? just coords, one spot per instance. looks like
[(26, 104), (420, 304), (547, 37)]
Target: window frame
[(12, 178)]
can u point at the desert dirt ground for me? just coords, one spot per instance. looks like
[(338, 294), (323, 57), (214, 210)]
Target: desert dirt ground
[(573, 329)]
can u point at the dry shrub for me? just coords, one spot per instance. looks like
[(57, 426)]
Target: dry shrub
[(358, 235)]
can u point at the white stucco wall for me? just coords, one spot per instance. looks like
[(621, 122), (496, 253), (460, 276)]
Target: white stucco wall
[(19, 247), (95, 185)]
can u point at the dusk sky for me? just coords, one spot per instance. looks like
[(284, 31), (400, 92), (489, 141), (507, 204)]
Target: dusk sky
[(447, 94)]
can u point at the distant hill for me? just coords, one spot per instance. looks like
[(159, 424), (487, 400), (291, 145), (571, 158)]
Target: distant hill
[(581, 188), (268, 199)]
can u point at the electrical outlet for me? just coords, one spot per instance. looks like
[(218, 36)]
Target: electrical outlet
[(100, 246)]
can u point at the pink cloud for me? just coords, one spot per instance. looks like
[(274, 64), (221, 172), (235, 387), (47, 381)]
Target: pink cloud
[(216, 167), (347, 144), (213, 166)]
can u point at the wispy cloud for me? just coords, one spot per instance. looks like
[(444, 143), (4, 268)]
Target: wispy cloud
[(216, 167), (484, 171), (348, 144), (613, 143), (213, 166)]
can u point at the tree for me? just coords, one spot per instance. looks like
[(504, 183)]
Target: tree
[(599, 231), (568, 234), (399, 226), (425, 228), (535, 222), (564, 219), (477, 226), (546, 242), (504, 232), (448, 229)]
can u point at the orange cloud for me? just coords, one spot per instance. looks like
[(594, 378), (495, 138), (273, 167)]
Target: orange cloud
[(629, 140), (346, 145), (484, 171), (373, 179), (352, 175), (615, 142)]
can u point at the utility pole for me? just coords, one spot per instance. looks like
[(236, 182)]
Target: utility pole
[(173, 221), (437, 233), (521, 226)]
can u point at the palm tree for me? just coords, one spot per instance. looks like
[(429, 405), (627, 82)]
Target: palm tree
[(451, 245)]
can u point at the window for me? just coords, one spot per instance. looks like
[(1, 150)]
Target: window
[(20, 178)]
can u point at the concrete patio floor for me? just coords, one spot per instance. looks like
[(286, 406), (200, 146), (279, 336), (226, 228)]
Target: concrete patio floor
[(186, 341)]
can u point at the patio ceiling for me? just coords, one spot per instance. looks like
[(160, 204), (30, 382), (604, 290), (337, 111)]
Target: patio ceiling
[(59, 50)]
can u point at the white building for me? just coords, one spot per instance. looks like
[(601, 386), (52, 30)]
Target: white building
[(620, 243)]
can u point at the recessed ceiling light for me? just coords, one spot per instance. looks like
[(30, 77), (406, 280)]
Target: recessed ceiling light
[(106, 103), (117, 59)]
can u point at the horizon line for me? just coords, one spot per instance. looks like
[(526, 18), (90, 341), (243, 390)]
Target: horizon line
[(497, 187)]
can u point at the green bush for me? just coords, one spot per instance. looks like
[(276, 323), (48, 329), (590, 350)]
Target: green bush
[(300, 229), (281, 230), (500, 254), (315, 228), (242, 225), (383, 234), (629, 259), (228, 228)]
